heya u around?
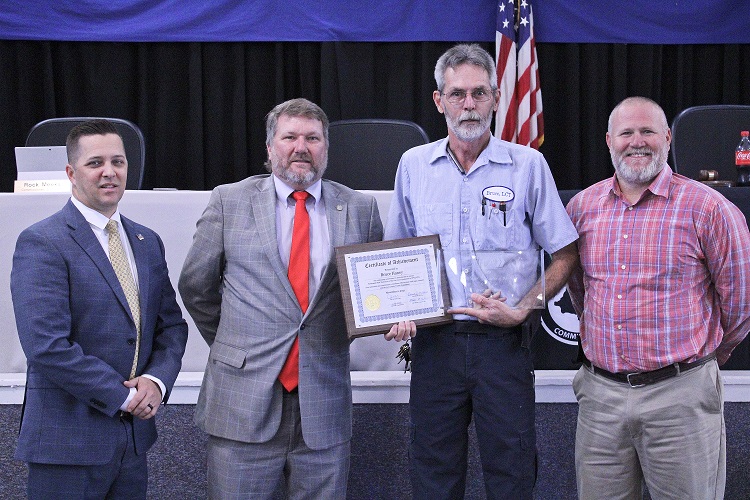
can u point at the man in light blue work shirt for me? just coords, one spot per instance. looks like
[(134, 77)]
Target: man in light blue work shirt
[(478, 366)]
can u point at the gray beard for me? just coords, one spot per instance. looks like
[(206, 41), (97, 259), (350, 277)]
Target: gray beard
[(640, 177), (300, 179), (295, 178), (468, 134)]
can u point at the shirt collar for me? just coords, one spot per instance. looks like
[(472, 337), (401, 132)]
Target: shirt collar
[(93, 217), (495, 152), (658, 187), (283, 191)]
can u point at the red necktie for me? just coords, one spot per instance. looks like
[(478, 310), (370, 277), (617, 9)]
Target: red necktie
[(299, 276)]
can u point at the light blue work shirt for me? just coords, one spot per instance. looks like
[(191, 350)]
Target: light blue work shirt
[(433, 195)]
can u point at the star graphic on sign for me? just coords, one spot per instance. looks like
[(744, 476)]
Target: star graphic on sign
[(524, 22)]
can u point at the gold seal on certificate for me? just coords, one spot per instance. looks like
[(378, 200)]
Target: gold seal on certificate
[(385, 282), (372, 303)]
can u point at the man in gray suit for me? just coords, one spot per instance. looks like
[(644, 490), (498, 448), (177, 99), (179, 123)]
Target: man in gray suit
[(235, 285)]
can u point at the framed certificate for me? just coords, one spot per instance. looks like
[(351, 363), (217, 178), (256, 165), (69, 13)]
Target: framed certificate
[(385, 282)]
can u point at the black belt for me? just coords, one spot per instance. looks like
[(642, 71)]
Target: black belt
[(639, 379), (475, 327)]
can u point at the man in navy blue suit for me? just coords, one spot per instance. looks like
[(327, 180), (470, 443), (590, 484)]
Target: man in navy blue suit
[(103, 349)]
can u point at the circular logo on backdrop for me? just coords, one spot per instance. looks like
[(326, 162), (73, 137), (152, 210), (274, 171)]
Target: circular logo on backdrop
[(559, 318)]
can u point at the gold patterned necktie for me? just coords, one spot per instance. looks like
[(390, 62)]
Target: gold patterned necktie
[(122, 269)]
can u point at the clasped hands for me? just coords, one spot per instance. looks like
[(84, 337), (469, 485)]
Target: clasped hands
[(490, 308), (147, 398)]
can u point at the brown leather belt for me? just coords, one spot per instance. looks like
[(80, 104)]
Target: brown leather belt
[(640, 379)]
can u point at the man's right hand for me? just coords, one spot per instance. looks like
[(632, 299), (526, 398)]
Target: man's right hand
[(403, 330)]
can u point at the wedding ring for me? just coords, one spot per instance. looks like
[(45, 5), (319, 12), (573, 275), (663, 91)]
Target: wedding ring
[(149, 406)]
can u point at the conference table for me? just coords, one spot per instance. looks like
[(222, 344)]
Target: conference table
[(375, 369)]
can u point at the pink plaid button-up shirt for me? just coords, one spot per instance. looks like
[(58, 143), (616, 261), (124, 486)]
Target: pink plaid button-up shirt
[(665, 279)]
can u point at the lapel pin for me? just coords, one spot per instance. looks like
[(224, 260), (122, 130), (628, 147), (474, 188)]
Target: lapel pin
[(139, 236), (339, 207)]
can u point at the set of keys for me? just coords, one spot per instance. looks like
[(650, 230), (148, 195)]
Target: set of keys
[(404, 354)]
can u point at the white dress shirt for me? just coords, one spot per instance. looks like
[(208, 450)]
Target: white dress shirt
[(98, 222)]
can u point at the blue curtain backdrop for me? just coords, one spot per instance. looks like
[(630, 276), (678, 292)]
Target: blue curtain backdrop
[(559, 21)]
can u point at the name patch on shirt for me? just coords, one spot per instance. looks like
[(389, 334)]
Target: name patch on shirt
[(498, 194)]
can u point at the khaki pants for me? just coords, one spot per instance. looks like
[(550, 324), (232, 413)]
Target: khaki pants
[(670, 434)]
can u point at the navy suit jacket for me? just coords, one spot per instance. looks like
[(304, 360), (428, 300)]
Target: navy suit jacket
[(78, 336)]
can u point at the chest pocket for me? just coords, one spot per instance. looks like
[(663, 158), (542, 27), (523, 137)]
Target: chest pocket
[(435, 218), (493, 232)]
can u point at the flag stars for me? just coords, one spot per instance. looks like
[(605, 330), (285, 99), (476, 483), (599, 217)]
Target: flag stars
[(524, 4), (524, 21), (502, 7), (505, 23)]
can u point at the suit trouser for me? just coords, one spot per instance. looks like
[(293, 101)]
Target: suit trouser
[(462, 370), (670, 433), (124, 477), (239, 470)]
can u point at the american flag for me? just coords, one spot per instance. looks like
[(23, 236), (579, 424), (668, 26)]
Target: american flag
[(519, 117)]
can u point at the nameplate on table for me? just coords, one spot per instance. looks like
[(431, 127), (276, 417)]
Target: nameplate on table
[(42, 186)]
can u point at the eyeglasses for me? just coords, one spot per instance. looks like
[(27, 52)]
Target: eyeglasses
[(457, 97)]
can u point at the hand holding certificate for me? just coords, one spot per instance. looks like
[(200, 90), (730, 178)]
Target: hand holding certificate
[(386, 282)]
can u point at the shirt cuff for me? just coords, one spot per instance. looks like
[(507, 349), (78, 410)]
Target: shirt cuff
[(124, 406), (162, 387), (132, 392)]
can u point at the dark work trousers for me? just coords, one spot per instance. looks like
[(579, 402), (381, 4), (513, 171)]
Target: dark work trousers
[(462, 370)]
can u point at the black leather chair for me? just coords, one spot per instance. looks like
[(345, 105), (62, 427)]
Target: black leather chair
[(54, 131), (364, 154), (705, 137)]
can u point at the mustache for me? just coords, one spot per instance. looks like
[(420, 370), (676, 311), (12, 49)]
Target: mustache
[(639, 151), (470, 115), (301, 157)]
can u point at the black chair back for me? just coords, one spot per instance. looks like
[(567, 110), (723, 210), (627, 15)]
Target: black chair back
[(705, 137), (54, 131), (364, 154)]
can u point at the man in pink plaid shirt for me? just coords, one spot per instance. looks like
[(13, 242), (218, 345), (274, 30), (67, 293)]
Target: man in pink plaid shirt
[(663, 297)]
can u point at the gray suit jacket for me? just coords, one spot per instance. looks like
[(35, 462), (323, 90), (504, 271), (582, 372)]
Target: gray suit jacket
[(235, 287)]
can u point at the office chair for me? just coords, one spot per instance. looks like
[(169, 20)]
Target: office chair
[(705, 137), (54, 131), (364, 154)]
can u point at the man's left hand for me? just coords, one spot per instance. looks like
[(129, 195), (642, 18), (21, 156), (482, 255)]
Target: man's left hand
[(493, 311), (147, 399)]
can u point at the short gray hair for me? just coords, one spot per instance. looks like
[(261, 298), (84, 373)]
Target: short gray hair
[(295, 107), (637, 99), (465, 54)]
